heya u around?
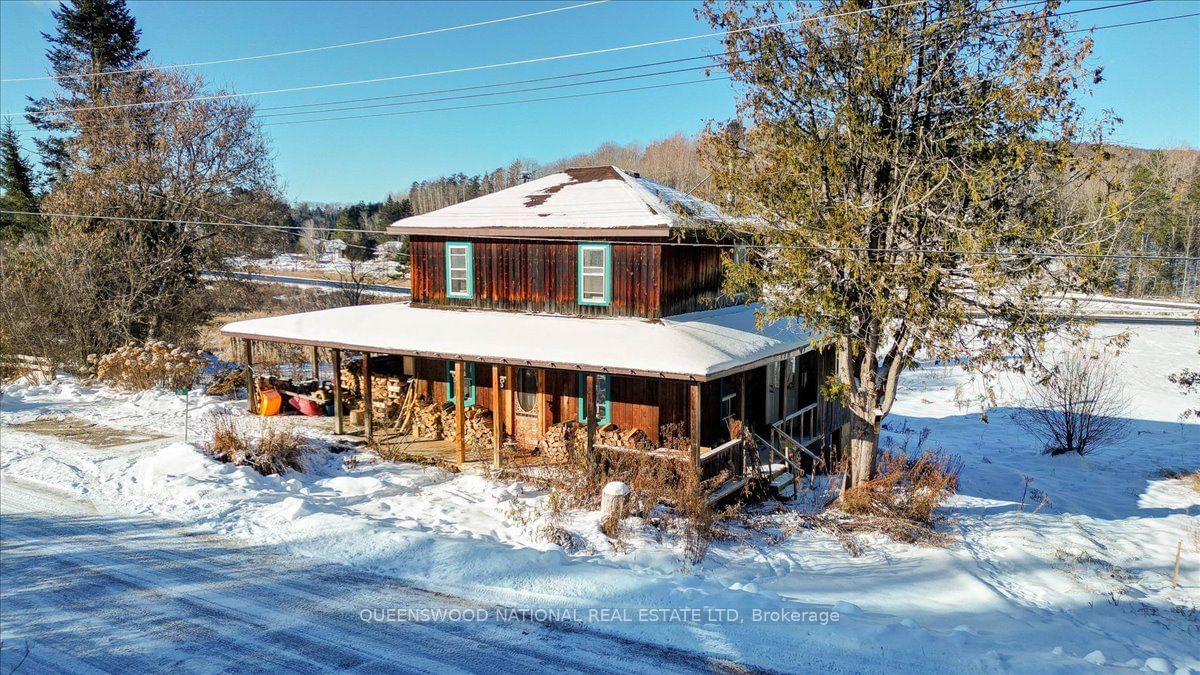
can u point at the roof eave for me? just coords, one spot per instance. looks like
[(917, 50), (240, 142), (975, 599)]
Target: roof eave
[(564, 232)]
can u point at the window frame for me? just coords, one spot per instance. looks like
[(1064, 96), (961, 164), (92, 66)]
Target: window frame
[(470, 251), (729, 396), (469, 372), (607, 389), (608, 273)]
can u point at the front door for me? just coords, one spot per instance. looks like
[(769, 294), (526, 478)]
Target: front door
[(775, 373), (525, 402)]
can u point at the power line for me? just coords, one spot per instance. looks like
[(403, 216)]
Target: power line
[(781, 247), (499, 103), (309, 50), (571, 96), (489, 66), (607, 70), (562, 86)]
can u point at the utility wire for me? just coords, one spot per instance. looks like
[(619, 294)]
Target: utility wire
[(608, 70), (567, 96), (309, 50), (848, 249), (464, 69), (559, 86), (501, 103)]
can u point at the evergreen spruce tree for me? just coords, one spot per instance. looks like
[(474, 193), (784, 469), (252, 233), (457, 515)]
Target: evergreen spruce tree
[(17, 187), (93, 37)]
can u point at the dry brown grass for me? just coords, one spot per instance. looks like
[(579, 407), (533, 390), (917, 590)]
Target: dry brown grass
[(274, 451), (906, 489), (154, 364), (1192, 478), (664, 492)]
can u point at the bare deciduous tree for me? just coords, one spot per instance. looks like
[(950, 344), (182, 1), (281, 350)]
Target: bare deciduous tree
[(1078, 405), (122, 263)]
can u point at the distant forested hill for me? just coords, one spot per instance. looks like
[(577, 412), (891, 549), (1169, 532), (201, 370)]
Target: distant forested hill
[(1155, 194)]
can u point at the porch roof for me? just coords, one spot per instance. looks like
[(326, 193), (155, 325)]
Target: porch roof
[(700, 346)]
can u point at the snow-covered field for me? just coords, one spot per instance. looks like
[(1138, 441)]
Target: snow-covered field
[(1080, 577), (330, 264)]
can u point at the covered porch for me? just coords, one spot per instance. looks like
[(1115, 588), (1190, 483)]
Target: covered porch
[(678, 382)]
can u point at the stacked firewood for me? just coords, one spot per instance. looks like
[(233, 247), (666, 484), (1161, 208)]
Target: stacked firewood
[(634, 438), (561, 440), (390, 390), (423, 419), (565, 438), (477, 426)]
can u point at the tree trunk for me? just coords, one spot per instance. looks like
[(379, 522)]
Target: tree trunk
[(864, 443)]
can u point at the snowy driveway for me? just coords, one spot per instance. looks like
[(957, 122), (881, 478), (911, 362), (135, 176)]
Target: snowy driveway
[(82, 592)]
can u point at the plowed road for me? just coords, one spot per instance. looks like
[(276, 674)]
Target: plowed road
[(84, 592)]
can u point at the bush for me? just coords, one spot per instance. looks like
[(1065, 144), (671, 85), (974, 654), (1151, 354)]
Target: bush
[(906, 489), (154, 364), (274, 451), (1078, 406), (654, 481)]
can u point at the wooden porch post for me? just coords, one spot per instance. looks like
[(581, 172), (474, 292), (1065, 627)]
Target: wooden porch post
[(589, 409), (541, 403), (694, 396), (248, 359), (368, 399), (338, 425), (460, 443), (742, 400), (510, 393), (316, 363), (497, 417)]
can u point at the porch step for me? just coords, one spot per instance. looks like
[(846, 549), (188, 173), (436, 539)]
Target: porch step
[(787, 492), (782, 480), (772, 470), (725, 489)]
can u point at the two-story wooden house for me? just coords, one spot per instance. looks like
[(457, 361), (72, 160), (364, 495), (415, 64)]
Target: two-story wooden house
[(591, 295)]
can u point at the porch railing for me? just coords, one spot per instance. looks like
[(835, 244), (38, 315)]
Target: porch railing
[(728, 457), (801, 425)]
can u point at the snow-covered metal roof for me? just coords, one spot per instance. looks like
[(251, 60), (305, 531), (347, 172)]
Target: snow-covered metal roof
[(576, 202), (699, 346)]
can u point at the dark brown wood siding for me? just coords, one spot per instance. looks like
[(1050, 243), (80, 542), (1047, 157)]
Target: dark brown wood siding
[(691, 279), (636, 402), (537, 276)]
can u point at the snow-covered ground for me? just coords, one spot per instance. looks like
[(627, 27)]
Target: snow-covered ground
[(1080, 577)]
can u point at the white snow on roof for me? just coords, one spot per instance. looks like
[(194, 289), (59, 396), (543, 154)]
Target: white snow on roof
[(701, 345), (586, 200)]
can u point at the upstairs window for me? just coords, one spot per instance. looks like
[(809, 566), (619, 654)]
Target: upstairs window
[(595, 274), (460, 270)]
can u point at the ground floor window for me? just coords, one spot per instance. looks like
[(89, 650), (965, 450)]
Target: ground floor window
[(603, 406), (728, 402), (468, 385), (526, 390)]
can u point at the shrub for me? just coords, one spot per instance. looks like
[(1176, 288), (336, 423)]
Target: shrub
[(154, 364), (906, 489), (654, 480), (273, 452), (1078, 406)]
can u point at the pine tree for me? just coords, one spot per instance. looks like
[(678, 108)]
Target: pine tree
[(92, 37), (888, 156), (17, 187)]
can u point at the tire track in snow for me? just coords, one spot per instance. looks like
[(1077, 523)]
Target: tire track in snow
[(194, 600)]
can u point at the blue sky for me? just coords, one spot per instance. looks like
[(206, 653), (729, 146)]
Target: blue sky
[(1152, 78)]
